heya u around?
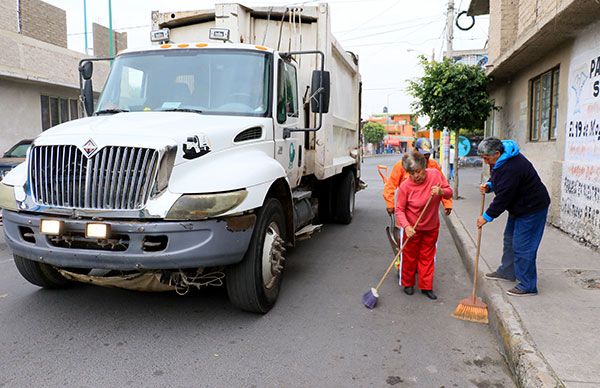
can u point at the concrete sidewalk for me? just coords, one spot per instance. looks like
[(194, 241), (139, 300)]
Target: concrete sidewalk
[(552, 339)]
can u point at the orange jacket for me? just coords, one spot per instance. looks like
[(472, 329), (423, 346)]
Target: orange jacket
[(398, 176)]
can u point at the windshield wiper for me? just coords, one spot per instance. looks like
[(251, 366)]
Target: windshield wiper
[(181, 110), (111, 111)]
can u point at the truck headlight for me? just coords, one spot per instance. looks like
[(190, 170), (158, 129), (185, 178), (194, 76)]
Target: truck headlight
[(201, 206), (7, 197)]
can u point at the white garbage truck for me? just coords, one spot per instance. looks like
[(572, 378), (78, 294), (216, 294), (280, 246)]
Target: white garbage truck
[(207, 154)]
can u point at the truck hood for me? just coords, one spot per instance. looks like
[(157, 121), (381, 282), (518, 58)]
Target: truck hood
[(155, 130)]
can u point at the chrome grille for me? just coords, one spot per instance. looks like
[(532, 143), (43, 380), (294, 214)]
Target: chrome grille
[(115, 178)]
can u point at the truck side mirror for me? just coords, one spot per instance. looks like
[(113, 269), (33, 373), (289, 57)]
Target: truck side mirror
[(86, 70), (320, 89), (88, 97)]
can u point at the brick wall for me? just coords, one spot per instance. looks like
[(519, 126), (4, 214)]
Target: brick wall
[(102, 43), (528, 11), (8, 15), (503, 27), (44, 22)]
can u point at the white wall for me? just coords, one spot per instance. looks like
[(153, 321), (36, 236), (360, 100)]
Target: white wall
[(580, 184), (20, 109)]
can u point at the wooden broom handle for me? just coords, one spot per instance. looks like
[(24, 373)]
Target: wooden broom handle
[(403, 244), (479, 232)]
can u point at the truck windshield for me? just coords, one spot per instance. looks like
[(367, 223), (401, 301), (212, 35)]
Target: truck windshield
[(202, 81)]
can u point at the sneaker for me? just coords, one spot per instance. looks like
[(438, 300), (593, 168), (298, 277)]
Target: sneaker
[(409, 290), (496, 276), (518, 292)]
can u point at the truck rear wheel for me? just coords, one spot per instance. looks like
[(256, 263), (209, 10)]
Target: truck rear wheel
[(40, 274), (344, 201), (253, 284)]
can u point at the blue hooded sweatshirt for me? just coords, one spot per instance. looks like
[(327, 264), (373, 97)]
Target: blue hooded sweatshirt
[(517, 185)]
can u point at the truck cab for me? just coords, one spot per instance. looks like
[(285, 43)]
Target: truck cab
[(197, 158)]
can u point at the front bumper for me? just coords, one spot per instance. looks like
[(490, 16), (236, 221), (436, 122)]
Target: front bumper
[(173, 245)]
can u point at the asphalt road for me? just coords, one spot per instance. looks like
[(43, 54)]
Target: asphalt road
[(318, 335)]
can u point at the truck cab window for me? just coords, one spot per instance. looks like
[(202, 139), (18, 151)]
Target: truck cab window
[(210, 81), (287, 96)]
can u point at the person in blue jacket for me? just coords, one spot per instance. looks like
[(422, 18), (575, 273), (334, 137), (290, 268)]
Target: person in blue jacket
[(520, 191)]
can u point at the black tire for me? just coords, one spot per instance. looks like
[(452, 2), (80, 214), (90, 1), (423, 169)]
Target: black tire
[(245, 281), (40, 274), (344, 201)]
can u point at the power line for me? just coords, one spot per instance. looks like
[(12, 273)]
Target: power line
[(377, 16), (388, 43), (390, 24), (413, 28), (114, 29)]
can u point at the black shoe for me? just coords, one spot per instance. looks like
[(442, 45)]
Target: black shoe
[(409, 290), (496, 276), (429, 294), (518, 292)]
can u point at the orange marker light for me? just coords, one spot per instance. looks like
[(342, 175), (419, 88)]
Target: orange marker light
[(263, 48), (183, 45), (200, 45), (165, 46)]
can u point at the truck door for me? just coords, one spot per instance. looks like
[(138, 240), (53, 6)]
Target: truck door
[(288, 152)]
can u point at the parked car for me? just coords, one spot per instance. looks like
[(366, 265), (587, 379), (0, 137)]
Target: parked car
[(14, 156)]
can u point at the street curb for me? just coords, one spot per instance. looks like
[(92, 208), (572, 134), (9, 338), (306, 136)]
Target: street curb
[(528, 365)]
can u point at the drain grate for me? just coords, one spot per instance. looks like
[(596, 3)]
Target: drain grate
[(587, 279)]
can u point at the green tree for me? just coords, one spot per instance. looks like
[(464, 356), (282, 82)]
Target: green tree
[(453, 95), (374, 132)]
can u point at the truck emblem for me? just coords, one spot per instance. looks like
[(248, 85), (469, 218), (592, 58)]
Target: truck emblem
[(195, 147), (90, 147)]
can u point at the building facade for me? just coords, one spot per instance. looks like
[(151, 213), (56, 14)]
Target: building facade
[(39, 79), (400, 132), (544, 58)]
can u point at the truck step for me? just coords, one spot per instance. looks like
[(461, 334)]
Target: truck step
[(299, 195), (307, 232)]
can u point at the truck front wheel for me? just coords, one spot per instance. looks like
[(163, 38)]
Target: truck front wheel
[(253, 284), (40, 274)]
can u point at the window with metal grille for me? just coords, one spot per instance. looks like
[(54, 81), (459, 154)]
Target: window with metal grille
[(57, 110), (543, 106)]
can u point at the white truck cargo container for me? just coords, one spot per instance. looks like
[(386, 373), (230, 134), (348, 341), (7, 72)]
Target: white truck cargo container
[(202, 159)]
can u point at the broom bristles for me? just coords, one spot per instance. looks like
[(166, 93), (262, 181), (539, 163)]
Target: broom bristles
[(471, 310)]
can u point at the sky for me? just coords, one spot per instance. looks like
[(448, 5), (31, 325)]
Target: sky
[(387, 35)]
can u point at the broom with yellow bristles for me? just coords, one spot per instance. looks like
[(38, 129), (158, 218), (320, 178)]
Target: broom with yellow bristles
[(472, 308)]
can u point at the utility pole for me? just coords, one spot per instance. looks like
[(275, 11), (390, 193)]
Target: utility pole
[(449, 28), (446, 133), (110, 31), (85, 33)]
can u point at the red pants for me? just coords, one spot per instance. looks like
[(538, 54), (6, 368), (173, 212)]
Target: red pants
[(419, 255)]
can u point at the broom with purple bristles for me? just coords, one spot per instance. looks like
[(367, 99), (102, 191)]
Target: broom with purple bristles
[(370, 298)]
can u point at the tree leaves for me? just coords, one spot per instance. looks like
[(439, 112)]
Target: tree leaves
[(453, 95), (373, 132)]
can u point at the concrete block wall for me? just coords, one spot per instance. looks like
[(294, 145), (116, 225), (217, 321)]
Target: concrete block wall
[(512, 21), (102, 42), (528, 12), (8, 15), (503, 27), (44, 22)]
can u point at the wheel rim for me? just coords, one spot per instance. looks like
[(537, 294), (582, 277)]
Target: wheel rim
[(272, 255)]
